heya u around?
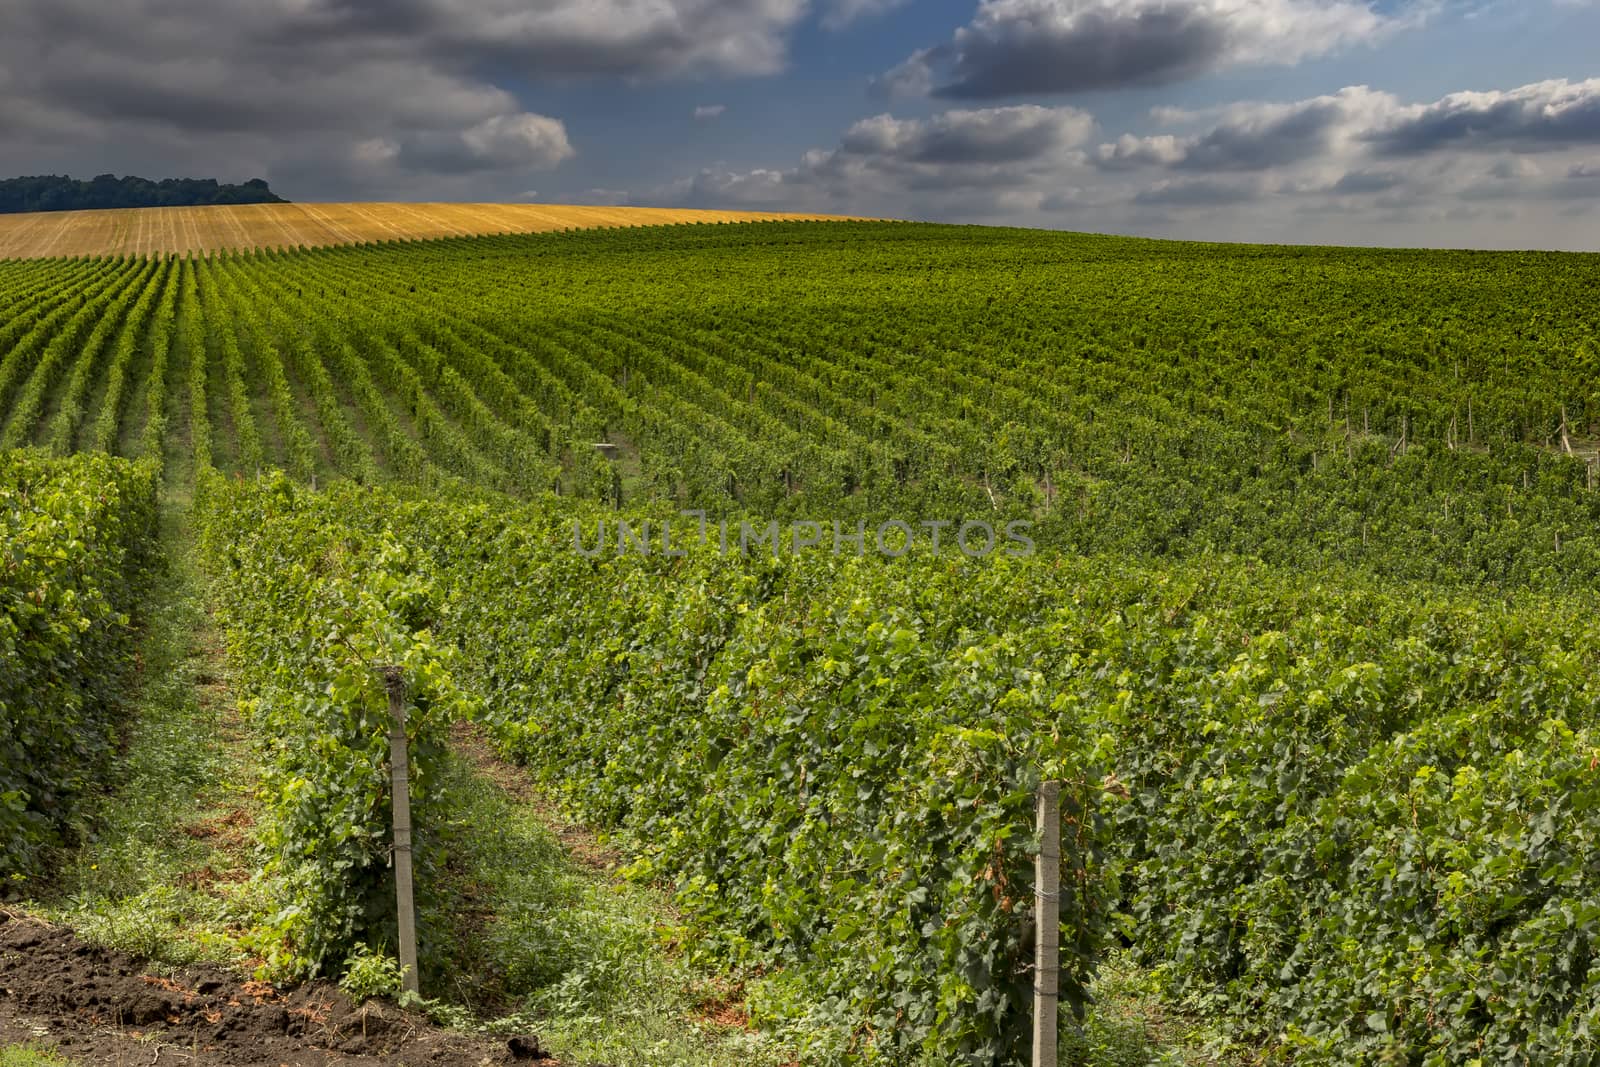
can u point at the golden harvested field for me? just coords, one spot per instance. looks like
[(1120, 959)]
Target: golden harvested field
[(191, 229)]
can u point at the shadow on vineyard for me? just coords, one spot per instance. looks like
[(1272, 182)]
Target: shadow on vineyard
[(1306, 642)]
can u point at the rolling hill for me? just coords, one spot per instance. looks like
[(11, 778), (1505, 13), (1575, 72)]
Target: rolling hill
[(141, 231)]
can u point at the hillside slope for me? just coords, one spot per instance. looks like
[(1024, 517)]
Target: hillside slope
[(1303, 619), (190, 229)]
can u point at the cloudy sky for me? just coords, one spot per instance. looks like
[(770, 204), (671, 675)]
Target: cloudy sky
[(1435, 122)]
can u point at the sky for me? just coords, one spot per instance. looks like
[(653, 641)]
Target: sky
[(1442, 123)]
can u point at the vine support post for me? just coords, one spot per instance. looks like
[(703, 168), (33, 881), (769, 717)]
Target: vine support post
[(400, 780), (1047, 913)]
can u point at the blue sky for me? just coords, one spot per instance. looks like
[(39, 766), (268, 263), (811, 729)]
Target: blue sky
[(1430, 122)]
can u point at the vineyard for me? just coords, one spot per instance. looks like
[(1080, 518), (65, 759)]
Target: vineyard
[(1305, 628)]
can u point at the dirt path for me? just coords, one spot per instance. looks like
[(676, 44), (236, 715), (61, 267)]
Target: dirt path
[(102, 1007), (579, 842)]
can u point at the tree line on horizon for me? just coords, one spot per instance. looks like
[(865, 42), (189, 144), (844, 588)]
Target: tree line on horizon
[(62, 193)]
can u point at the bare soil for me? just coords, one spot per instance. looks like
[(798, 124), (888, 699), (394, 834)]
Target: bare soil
[(101, 1007)]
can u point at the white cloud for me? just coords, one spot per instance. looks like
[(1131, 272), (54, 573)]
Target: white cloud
[(1251, 170), (1254, 137), (1129, 151)]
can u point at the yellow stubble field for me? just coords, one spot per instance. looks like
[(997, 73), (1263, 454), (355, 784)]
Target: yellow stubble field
[(193, 229)]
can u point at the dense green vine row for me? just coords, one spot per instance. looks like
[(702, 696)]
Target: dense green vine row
[(835, 763), (115, 338), (155, 301), (29, 404), (352, 454), (74, 546), (300, 451), (313, 609), (191, 332), (152, 438), (51, 341), (35, 296)]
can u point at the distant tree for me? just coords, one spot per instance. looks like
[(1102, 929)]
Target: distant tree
[(61, 193)]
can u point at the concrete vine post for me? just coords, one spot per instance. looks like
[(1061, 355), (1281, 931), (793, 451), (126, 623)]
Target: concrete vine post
[(1047, 911), (400, 779)]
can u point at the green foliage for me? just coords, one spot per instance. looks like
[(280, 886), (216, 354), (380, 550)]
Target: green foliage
[(312, 610), (73, 555), (1160, 399), (31, 1056), (369, 973), (1356, 819), (56, 192), (1333, 802), (834, 762)]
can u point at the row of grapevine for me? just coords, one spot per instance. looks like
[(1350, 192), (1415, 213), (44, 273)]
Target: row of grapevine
[(351, 452), (239, 392), (1316, 805), (152, 438), (74, 549), (156, 300), (35, 297), (1108, 427), (312, 608), (836, 763), (1355, 818), (190, 333), (271, 378), (29, 404), (53, 338), (116, 336)]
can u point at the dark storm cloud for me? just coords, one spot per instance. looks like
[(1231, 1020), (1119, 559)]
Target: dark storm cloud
[(1025, 47), (365, 96), (558, 38), (1100, 50), (1358, 182)]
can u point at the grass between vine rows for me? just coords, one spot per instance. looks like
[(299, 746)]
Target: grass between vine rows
[(164, 871), (28, 1056)]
